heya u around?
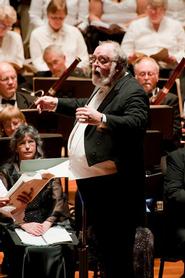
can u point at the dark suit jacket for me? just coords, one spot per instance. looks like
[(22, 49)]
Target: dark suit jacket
[(172, 100), (126, 108), (24, 100), (174, 192), (170, 145)]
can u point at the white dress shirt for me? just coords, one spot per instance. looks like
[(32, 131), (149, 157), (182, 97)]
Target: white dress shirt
[(78, 165), (141, 37), (68, 37)]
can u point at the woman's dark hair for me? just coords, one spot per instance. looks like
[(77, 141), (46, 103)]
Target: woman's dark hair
[(19, 135)]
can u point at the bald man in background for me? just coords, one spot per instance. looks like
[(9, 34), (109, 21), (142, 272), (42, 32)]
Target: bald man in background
[(9, 88)]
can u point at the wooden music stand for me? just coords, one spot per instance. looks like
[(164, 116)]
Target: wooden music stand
[(72, 86), (162, 118)]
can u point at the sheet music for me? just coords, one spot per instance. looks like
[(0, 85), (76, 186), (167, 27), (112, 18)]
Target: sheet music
[(55, 234), (55, 166), (3, 190), (25, 177), (32, 165), (106, 25)]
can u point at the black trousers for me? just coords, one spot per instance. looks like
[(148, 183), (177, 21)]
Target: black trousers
[(108, 214)]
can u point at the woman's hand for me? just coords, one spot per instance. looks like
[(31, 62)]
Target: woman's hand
[(33, 228), (170, 60), (36, 229), (4, 201), (133, 57), (46, 225)]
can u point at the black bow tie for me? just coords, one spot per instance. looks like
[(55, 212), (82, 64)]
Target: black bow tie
[(8, 101)]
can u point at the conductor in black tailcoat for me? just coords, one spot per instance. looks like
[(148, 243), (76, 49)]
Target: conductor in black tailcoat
[(106, 154)]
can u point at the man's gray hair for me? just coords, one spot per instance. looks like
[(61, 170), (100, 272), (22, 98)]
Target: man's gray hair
[(54, 48), (146, 58), (119, 54)]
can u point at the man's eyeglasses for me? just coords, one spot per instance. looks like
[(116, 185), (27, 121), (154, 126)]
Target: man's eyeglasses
[(5, 27), (7, 79), (101, 59)]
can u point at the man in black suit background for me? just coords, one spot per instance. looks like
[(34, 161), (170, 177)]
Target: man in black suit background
[(8, 88), (146, 71), (106, 154)]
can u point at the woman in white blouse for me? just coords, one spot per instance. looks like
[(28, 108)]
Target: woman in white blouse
[(155, 33), (11, 46)]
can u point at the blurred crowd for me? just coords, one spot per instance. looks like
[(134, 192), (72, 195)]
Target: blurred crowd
[(141, 27)]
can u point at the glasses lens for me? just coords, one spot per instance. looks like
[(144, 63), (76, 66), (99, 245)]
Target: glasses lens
[(101, 59)]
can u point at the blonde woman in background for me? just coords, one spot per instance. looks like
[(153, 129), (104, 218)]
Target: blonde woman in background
[(11, 118), (11, 46), (150, 34)]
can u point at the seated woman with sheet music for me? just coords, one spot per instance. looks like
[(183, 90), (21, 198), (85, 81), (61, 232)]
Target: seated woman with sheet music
[(46, 209), (155, 35)]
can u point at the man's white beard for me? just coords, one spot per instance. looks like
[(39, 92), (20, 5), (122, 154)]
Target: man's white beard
[(101, 80)]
